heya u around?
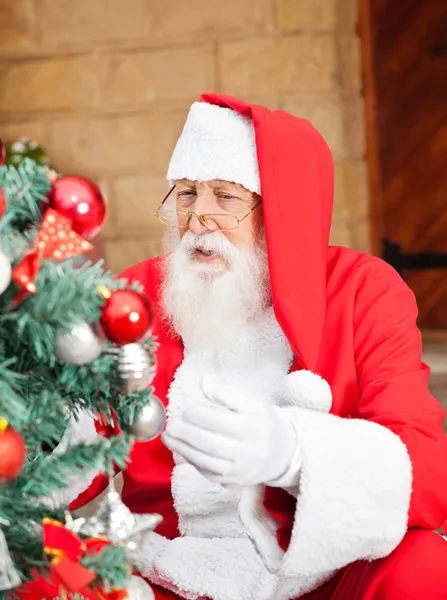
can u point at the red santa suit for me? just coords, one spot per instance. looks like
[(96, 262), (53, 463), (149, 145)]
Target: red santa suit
[(373, 450)]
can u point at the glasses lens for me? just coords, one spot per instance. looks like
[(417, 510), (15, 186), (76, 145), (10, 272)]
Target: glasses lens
[(172, 218), (223, 222)]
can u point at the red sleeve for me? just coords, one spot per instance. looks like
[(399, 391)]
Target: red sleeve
[(394, 388), (101, 481)]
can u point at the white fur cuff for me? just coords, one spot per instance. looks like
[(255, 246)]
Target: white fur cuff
[(354, 493)]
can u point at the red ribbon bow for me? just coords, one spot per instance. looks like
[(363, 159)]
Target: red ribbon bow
[(67, 577), (65, 550), (56, 240)]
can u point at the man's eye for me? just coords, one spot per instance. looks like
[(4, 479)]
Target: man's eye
[(186, 193), (227, 197)]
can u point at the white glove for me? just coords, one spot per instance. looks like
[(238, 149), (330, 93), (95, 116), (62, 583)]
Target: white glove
[(237, 442)]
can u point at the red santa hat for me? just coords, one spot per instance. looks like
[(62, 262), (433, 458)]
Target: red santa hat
[(284, 159)]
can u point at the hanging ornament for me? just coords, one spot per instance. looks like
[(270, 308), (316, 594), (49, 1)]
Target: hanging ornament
[(2, 202), (78, 346), (137, 369), (126, 315), (55, 241), (5, 272), (136, 366), (9, 578), (115, 521), (81, 201), (150, 422), (12, 451), (2, 153), (138, 589)]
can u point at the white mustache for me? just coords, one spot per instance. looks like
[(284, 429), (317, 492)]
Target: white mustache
[(215, 242)]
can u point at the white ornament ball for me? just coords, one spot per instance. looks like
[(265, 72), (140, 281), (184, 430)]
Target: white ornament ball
[(78, 346), (150, 422), (5, 272), (139, 589)]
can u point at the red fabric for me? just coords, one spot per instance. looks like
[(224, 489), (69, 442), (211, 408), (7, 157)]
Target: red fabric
[(348, 316), (414, 571)]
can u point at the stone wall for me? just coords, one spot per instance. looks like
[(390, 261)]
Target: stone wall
[(105, 86)]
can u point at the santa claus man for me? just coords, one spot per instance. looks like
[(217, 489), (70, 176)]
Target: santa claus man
[(304, 455)]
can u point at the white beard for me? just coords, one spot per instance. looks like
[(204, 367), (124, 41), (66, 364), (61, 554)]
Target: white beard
[(207, 304)]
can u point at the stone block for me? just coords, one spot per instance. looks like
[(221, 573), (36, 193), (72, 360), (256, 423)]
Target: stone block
[(134, 199), (341, 211), (302, 15), (350, 67), (277, 66), (211, 19), (361, 235), (111, 144), (341, 235), (84, 23), (121, 254), (326, 113), (60, 83), (354, 116), (17, 26), (139, 77), (346, 15), (353, 180), (33, 130)]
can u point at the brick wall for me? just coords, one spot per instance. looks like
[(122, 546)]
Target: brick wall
[(105, 85)]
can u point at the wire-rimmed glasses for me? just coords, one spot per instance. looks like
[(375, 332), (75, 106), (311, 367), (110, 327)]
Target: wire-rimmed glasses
[(181, 219)]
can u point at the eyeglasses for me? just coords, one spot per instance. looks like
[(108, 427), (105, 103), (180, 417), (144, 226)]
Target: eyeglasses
[(181, 220)]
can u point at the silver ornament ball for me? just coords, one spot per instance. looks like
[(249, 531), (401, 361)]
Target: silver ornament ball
[(5, 272), (150, 422), (78, 346), (136, 366), (139, 589)]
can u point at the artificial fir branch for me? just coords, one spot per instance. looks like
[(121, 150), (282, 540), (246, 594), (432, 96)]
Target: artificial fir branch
[(110, 565), (25, 189), (39, 394)]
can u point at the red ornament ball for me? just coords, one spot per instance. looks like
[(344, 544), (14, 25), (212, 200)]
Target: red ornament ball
[(2, 202), (126, 316), (80, 200), (2, 153), (12, 453)]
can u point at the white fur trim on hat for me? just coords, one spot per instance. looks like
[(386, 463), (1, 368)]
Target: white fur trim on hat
[(216, 143)]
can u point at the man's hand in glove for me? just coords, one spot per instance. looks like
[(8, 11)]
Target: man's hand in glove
[(238, 441)]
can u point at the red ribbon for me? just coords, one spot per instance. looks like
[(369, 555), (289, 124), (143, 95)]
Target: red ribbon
[(65, 550), (67, 576), (56, 240)]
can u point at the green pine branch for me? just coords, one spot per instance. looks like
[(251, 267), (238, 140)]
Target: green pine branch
[(25, 189), (110, 565), (39, 393)]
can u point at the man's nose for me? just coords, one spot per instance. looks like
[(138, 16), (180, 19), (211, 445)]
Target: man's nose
[(202, 206), (196, 226)]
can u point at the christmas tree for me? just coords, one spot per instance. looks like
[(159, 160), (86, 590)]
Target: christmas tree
[(76, 358)]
